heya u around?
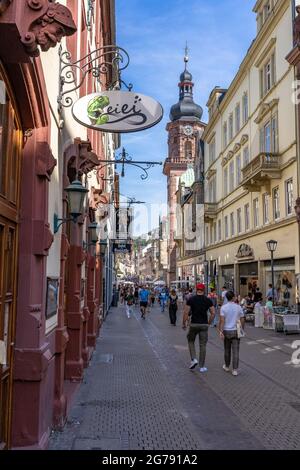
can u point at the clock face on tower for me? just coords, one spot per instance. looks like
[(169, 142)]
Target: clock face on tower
[(188, 130)]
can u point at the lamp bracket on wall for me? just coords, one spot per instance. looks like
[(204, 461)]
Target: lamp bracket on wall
[(124, 159), (57, 222), (105, 64)]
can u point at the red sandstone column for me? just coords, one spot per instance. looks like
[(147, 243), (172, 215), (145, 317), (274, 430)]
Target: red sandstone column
[(92, 305), (86, 316), (34, 352), (74, 314), (62, 337)]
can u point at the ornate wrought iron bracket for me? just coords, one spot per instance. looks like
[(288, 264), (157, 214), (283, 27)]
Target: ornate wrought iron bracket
[(124, 159), (105, 64)]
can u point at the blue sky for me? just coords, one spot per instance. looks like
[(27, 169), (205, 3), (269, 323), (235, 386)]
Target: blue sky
[(154, 32)]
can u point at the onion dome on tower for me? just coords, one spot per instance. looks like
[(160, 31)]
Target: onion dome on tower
[(186, 109)]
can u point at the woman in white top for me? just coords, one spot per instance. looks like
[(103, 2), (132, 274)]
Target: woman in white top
[(231, 313)]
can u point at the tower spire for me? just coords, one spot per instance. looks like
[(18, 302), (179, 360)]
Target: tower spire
[(186, 55)]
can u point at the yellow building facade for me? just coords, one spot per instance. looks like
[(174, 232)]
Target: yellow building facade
[(251, 165)]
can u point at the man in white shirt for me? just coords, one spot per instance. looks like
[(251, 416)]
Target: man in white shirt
[(231, 314)]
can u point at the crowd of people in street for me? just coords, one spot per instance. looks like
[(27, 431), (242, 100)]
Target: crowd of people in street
[(227, 313)]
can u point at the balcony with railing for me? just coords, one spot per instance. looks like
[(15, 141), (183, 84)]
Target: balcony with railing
[(261, 170), (210, 211)]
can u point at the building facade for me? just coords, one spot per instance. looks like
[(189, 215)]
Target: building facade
[(251, 166), (51, 278)]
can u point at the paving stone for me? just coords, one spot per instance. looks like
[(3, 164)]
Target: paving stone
[(138, 392)]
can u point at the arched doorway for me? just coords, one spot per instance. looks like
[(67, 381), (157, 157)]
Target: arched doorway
[(10, 152)]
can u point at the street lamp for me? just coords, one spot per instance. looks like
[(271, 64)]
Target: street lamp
[(272, 245), (76, 194), (93, 235)]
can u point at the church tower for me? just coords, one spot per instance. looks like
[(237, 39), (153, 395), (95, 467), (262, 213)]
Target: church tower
[(185, 130)]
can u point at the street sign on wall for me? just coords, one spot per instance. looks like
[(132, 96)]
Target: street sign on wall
[(121, 247), (117, 111)]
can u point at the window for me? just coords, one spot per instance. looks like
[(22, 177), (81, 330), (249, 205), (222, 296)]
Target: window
[(212, 186), (245, 108), (188, 150), (10, 144), (246, 158), (237, 118), (274, 133), (276, 209), (231, 176), (269, 136), (239, 220), (289, 196), (226, 181), (232, 224), (215, 232), (266, 215), (255, 213), (267, 11), (268, 76), (230, 127), (238, 170), (207, 236), (219, 230), (226, 226), (212, 151), (225, 135), (247, 217)]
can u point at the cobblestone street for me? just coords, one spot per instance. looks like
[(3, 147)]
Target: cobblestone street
[(138, 392)]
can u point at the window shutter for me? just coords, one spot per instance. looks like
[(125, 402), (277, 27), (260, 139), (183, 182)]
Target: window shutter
[(261, 82), (273, 69), (262, 139)]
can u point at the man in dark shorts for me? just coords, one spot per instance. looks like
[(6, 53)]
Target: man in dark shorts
[(144, 297), (197, 308)]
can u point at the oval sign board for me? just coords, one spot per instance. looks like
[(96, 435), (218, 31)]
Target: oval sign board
[(117, 111)]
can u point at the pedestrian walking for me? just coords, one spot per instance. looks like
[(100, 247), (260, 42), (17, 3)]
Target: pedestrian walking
[(223, 295), (163, 298), (214, 298), (129, 301), (152, 297), (231, 320), (197, 308), (144, 297), (173, 307), (136, 295)]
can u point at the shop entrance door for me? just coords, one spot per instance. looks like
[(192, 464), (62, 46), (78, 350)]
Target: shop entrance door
[(10, 152)]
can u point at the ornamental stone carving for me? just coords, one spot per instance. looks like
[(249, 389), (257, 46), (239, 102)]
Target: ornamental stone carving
[(297, 209), (49, 28), (297, 27), (245, 251), (26, 25), (4, 4)]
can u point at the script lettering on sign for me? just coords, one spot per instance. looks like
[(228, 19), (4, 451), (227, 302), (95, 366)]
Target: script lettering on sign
[(117, 111)]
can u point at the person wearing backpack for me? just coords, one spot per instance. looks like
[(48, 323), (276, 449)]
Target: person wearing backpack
[(173, 307)]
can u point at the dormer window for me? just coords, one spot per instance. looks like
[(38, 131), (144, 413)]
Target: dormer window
[(264, 13)]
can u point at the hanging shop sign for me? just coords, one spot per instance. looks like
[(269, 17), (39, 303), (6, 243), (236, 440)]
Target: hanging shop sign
[(117, 111)]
